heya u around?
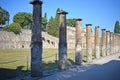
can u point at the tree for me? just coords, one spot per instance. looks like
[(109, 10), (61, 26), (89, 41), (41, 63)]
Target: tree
[(24, 19), (117, 27), (53, 25), (4, 16), (44, 22), (71, 22), (50, 26), (13, 27)]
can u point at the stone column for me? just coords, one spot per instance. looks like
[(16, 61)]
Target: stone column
[(107, 43), (78, 45), (117, 43), (103, 41), (62, 41), (111, 43), (114, 51), (97, 41), (36, 39), (88, 43)]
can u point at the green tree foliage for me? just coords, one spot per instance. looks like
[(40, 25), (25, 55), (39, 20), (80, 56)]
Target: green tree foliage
[(44, 22), (13, 27), (71, 22), (4, 16), (53, 25), (24, 19), (117, 27)]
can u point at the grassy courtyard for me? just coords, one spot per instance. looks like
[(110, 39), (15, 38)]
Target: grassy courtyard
[(16, 62)]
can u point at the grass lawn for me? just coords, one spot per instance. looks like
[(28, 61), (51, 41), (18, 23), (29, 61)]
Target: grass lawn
[(16, 62)]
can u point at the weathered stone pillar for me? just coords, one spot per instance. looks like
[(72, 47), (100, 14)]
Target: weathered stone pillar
[(62, 41), (114, 44), (111, 40), (97, 41), (88, 43), (117, 50), (111, 43), (119, 42), (107, 43), (103, 41), (78, 45), (36, 39)]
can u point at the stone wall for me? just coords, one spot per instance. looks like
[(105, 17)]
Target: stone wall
[(71, 37), (11, 40), (23, 40)]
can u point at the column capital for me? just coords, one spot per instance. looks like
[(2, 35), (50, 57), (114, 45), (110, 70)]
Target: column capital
[(62, 12), (78, 19), (103, 29), (97, 26), (36, 1), (111, 32), (88, 24), (107, 31)]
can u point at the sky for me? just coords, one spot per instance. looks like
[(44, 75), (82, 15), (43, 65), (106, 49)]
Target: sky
[(102, 13)]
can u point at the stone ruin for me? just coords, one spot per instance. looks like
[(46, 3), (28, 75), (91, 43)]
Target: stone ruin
[(108, 43), (23, 40)]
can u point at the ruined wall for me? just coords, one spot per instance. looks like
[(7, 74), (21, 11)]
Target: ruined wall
[(71, 37), (23, 40), (11, 40)]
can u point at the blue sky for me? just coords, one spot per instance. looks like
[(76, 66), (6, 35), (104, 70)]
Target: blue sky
[(103, 13)]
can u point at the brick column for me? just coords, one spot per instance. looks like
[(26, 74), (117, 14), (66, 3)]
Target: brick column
[(88, 43), (36, 39), (103, 41), (62, 41), (78, 46), (107, 43), (97, 41)]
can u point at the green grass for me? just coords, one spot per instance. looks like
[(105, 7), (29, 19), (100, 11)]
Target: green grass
[(16, 62)]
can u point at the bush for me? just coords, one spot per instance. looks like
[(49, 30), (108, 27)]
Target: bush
[(14, 27)]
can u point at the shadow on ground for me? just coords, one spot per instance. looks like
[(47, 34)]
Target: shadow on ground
[(11, 73)]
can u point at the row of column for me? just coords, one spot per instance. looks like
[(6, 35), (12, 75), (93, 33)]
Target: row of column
[(108, 39), (105, 45)]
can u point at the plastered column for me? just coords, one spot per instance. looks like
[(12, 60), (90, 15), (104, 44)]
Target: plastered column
[(78, 45), (107, 43), (88, 43), (97, 49), (103, 42)]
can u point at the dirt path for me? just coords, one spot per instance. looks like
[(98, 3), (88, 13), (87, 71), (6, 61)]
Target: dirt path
[(107, 68)]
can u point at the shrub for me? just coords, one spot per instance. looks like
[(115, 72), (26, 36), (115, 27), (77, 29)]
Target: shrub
[(13, 27)]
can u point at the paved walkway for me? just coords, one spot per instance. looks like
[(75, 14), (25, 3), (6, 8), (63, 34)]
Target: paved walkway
[(107, 68)]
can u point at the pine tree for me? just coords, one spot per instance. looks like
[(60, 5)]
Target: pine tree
[(44, 22), (53, 25), (117, 27)]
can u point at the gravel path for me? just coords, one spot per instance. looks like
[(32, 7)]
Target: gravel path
[(107, 68)]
